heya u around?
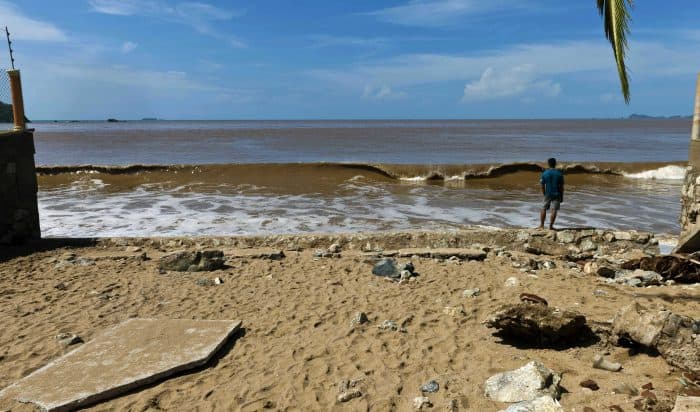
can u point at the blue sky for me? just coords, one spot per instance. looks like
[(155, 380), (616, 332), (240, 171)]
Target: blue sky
[(316, 59)]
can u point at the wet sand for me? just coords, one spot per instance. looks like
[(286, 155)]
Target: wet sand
[(299, 343)]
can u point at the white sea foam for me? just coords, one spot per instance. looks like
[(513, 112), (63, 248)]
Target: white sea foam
[(670, 172)]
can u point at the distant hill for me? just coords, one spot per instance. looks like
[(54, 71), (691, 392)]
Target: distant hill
[(644, 116), (6, 113)]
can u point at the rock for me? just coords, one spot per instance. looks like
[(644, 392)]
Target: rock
[(587, 245), (391, 325), (660, 330), (547, 264), (359, 319), (334, 248), (349, 395), (512, 282), (421, 402), (622, 235), (471, 293), (387, 268), (430, 387), (454, 310), (670, 267), (687, 404), (659, 401), (565, 236), (638, 278), (66, 339), (541, 404), (590, 384), (590, 268), (444, 253), (538, 324), (61, 286), (204, 282), (599, 362), (626, 389), (522, 236), (133, 249), (207, 260), (218, 281), (524, 384)]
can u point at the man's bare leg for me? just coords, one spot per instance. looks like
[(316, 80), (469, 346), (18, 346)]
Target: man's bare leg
[(543, 215), (552, 218)]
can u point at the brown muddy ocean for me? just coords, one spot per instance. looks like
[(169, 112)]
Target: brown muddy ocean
[(146, 178)]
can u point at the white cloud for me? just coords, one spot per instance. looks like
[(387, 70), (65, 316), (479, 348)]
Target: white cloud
[(515, 81), (198, 16), (128, 47), (441, 12), (26, 28), (382, 92)]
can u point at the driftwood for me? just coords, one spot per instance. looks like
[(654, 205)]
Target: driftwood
[(678, 268)]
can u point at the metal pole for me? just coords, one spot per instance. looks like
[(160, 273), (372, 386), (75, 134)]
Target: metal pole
[(695, 134), (17, 99)]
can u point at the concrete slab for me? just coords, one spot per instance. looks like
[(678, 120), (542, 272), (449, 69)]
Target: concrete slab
[(445, 253), (132, 354)]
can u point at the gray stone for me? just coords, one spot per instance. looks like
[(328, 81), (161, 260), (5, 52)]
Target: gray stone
[(622, 235), (66, 339), (133, 354), (587, 245), (524, 384), (349, 395), (359, 319), (470, 293), (547, 264), (541, 404), (387, 268), (391, 326), (638, 277), (512, 282), (566, 236), (430, 387)]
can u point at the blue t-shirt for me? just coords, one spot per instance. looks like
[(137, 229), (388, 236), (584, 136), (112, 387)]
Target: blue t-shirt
[(552, 179)]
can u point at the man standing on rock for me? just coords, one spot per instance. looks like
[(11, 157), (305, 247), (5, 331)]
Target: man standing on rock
[(552, 181)]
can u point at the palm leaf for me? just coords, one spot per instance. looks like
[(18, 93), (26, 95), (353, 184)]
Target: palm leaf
[(616, 19)]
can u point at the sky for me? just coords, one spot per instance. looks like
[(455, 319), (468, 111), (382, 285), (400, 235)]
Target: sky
[(360, 59)]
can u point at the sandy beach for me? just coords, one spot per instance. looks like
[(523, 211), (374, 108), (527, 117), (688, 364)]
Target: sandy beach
[(299, 344)]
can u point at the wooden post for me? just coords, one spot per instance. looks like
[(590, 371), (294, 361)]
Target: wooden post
[(17, 99), (695, 134)]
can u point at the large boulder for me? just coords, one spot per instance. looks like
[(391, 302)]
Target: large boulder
[(207, 260), (670, 334), (538, 325), (670, 267), (527, 383)]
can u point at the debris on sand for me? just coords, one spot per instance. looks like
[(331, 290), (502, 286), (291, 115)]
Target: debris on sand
[(538, 325), (670, 334), (527, 383), (599, 362), (204, 261), (670, 267)]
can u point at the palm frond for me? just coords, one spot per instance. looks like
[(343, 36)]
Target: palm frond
[(616, 23)]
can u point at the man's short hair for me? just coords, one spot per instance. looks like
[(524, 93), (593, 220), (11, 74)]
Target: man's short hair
[(552, 162)]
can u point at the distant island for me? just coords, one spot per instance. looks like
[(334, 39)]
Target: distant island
[(6, 113), (635, 116)]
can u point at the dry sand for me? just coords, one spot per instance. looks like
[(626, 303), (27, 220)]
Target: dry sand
[(298, 342)]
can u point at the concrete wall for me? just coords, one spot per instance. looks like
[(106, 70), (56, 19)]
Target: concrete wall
[(19, 214)]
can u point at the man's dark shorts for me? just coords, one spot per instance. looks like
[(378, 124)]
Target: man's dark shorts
[(551, 200)]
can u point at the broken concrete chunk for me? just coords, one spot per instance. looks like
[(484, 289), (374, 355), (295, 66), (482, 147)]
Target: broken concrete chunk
[(670, 334), (524, 384), (538, 325)]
